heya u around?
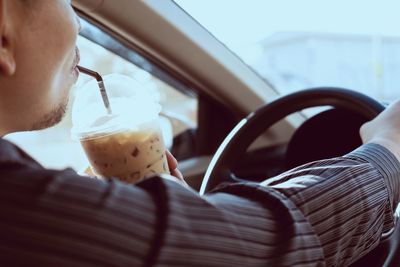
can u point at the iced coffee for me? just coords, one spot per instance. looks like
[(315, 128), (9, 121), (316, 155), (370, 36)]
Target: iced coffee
[(128, 144), (129, 155)]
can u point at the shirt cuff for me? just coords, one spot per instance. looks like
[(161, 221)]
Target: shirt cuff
[(386, 163)]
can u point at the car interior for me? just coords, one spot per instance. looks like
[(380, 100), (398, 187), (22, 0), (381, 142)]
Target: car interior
[(223, 120)]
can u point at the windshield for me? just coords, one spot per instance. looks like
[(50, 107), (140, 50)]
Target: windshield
[(301, 44)]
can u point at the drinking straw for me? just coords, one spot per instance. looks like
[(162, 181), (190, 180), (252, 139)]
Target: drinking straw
[(100, 82)]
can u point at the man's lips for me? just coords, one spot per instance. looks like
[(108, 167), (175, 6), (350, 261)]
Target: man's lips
[(75, 69)]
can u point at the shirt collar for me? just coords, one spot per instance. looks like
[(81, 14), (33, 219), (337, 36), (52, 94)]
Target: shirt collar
[(10, 153)]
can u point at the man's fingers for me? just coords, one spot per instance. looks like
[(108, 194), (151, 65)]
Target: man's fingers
[(173, 167), (176, 173), (172, 162)]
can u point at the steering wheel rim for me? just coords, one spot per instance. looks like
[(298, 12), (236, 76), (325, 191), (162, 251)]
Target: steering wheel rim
[(248, 129)]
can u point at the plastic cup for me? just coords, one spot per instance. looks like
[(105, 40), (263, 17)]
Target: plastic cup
[(128, 144)]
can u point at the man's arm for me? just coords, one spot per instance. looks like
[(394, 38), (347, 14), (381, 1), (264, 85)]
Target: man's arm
[(349, 201), (52, 218)]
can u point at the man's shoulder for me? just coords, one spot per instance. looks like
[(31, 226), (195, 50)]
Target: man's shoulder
[(17, 166), (10, 154)]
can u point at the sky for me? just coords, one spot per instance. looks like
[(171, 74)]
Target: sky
[(239, 23)]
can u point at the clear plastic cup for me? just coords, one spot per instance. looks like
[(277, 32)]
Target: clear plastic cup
[(127, 144)]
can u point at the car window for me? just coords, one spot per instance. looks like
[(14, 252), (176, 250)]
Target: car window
[(179, 104), (301, 44)]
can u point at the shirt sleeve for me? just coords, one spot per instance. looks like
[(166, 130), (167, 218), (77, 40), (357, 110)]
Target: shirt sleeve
[(52, 218), (348, 201), (326, 213)]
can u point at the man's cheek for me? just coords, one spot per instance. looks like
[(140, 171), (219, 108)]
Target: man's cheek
[(59, 84)]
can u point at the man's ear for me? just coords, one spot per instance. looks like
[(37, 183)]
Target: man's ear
[(7, 57)]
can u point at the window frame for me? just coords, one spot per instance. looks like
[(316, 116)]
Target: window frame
[(142, 25)]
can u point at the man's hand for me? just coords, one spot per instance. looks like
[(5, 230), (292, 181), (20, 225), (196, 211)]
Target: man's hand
[(384, 129), (173, 168)]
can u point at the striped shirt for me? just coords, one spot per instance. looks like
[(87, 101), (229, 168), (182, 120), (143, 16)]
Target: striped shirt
[(326, 213)]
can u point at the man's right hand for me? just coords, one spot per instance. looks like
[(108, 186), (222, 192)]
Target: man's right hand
[(384, 129)]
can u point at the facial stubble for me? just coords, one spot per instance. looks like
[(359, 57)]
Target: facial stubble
[(53, 117)]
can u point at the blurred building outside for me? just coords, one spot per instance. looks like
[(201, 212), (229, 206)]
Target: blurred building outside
[(294, 61)]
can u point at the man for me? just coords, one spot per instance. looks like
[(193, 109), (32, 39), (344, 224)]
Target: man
[(325, 213)]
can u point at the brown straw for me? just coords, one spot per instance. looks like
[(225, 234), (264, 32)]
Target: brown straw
[(100, 82)]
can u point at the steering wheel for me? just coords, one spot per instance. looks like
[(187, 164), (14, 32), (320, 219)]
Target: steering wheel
[(247, 130)]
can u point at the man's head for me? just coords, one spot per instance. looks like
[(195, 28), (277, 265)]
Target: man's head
[(38, 58)]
